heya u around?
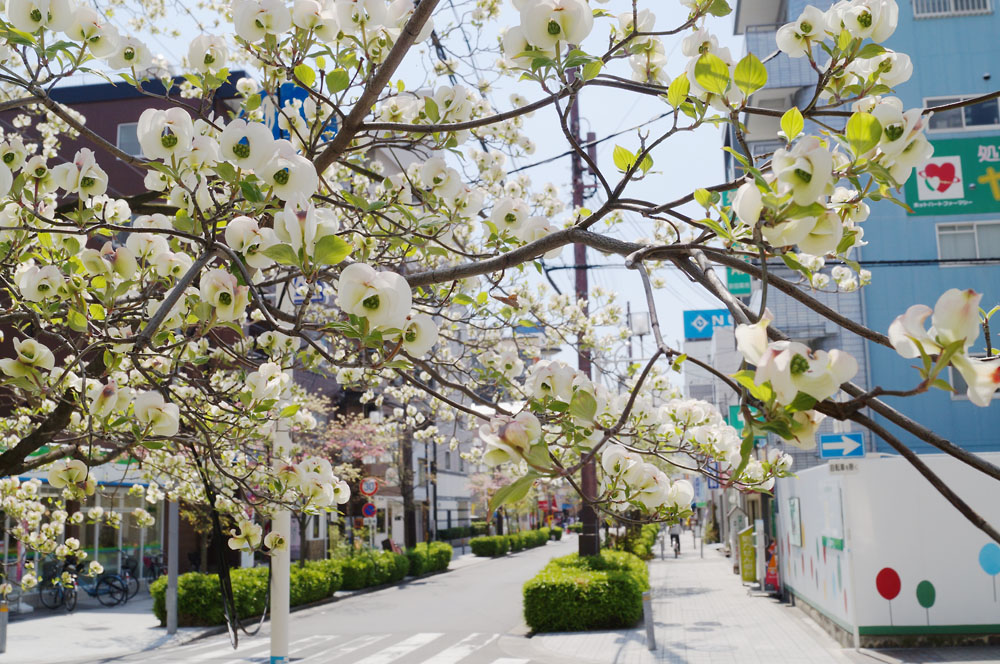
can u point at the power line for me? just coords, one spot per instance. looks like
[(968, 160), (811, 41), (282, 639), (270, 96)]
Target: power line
[(887, 262)]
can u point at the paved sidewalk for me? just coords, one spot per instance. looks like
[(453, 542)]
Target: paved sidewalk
[(703, 615)]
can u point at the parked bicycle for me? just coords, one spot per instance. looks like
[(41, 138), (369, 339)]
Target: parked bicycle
[(153, 569), (130, 573), (109, 589), (58, 586)]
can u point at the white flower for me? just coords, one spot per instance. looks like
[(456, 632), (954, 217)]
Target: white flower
[(30, 15), (95, 568), (83, 176), (805, 170), (153, 413), (244, 235), (90, 27), (804, 425), (791, 367), (275, 541), (536, 228), (794, 38), (290, 175), (553, 379), (955, 317), (438, 177), (384, 298), (95, 512), (981, 375), (38, 284), (824, 236), (67, 472), (681, 494), (267, 382), (169, 264), (748, 203), (163, 134), (509, 214), (248, 538), (356, 16), (318, 17), (546, 22), (248, 145), (866, 19), (221, 289), (751, 340), (302, 228), (255, 19), (420, 333), (508, 438), (130, 53), (208, 53)]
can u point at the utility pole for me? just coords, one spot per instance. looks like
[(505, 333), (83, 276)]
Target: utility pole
[(590, 539)]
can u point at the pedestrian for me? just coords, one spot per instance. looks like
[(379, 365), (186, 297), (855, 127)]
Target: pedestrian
[(675, 535)]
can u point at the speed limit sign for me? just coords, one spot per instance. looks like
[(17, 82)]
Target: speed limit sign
[(369, 486)]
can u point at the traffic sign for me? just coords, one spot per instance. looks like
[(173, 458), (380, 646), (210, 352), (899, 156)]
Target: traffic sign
[(839, 445), (369, 510), (738, 282), (317, 292), (369, 486), (701, 323)]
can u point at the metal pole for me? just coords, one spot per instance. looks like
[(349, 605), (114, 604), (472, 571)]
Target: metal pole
[(173, 546), (281, 523), (647, 616), (4, 614)]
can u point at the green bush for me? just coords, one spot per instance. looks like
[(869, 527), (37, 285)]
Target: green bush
[(359, 572), (576, 527), (331, 568), (640, 541), (556, 533), (429, 557), (594, 592), (458, 532), (490, 545), (308, 584), (479, 528), (516, 542)]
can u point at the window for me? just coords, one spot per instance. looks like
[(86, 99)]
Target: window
[(938, 8), (983, 115), (968, 240), (447, 460), (128, 139)]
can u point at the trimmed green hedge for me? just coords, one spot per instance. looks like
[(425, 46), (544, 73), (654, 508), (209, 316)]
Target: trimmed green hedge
[(199, 597), (594, 592), (498, 545), (458, 532), (641, 542), (429, 557), (576, 527), (556, 533), (479, 528)]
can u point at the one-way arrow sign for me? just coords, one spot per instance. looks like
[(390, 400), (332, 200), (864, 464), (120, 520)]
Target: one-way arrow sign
[(840, 445)]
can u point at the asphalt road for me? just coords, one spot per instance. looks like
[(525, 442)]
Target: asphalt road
[(469, 615)]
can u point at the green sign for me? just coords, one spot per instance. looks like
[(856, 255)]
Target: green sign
[(963, 177), (833, 543), (748, 555), (735, 420), (738, 282)]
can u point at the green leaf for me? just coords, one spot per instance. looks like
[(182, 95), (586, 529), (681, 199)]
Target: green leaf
[(513, 492), (592, 69), (844, 40), (431, 110), (720, 8), (802, 401), (712, 74), (750, 74), (796, 211), (355, 200), (282, 253), (251, 192), (646, 163), (623, 158), (337, 80), (792, 123), (97, 311), (331, 249), (870, 51), (678, 90), (305, 74), (226, 171), (863, 132), (289, 410), (77, 321), (252, 103), (703, 197), (583, 406)]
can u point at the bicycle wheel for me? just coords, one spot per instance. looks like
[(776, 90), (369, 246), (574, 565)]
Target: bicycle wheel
[(51, 595), (111, 591), (131, 586), (69, 596)]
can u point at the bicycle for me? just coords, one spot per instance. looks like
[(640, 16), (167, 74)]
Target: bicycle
[(154, 569), (57, 592), (129, 574), (109, 589)]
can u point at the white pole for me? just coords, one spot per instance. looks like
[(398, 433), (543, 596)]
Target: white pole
[(173, 546), (281, 523)]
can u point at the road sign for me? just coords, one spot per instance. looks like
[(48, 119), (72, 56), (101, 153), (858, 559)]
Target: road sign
[(701, 323), (298, 298), (369, 510), (735, 420), (738, 282), (839, 445), (369, 486)]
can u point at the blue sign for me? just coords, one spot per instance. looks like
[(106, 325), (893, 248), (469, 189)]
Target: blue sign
[(291, 92), (297, 298), (700, 324), (840, 445), (368, 510)]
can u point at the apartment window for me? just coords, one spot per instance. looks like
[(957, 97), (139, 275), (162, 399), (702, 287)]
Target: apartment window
[(447, 460), (939, 8), (983, 115), (968, 240), (128, 139)]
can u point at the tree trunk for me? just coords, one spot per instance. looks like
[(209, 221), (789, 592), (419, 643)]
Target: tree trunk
[(303, 520), (406, 489), (203, 550)]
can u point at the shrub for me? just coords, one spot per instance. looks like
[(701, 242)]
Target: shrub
[(594, 592), (429, 557), (556, 533), (359, 572), (308, 584), (479, 528), (576, 527), (516, 542), (332, 570), (458, 532), (490, 545), (640, 541)]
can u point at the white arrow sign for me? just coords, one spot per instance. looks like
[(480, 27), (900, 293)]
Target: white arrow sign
[(841, 445)]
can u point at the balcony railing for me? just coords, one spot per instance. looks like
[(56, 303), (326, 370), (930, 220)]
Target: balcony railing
[(943, 8)]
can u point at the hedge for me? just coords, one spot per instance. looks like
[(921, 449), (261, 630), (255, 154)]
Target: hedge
[(498, 545), (576, 527), (429, 557), (458, 532), (556, 532), (594, 592), (641, 542), (199, 598)]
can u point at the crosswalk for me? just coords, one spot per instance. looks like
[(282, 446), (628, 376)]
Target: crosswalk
[(381, 648)]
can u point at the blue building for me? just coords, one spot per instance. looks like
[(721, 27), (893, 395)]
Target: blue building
[(952, 238)]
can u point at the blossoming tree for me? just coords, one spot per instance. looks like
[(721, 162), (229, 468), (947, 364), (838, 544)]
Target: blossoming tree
[(131, 331)]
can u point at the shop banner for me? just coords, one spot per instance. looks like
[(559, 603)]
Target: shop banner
[(963, 177)]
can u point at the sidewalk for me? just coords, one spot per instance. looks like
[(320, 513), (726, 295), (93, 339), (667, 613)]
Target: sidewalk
[(703, 614)]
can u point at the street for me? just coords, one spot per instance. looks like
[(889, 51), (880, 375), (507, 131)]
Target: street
[(461, 616)]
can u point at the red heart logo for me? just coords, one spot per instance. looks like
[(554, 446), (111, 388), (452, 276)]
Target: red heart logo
[(944, 172)]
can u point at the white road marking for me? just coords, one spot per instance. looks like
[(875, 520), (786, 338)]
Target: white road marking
[(460, 650), (397, 650)]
